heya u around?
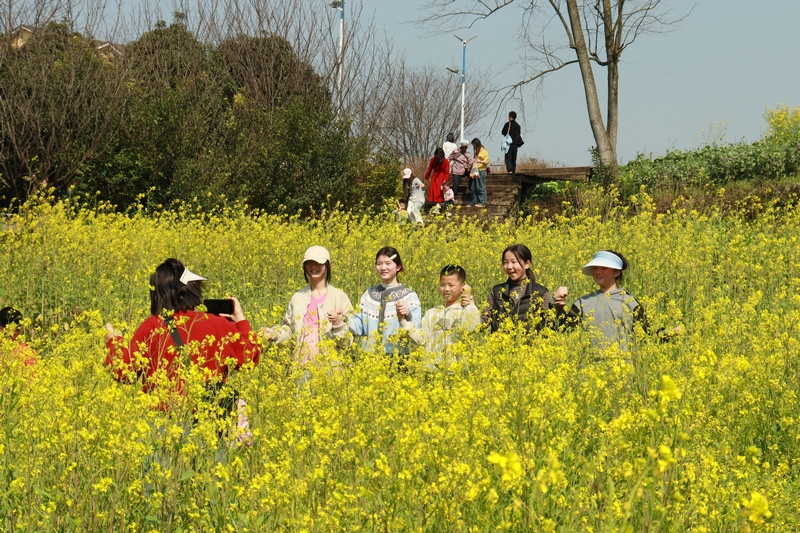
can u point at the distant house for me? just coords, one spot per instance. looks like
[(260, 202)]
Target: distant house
[(22, 34), (110, 50)]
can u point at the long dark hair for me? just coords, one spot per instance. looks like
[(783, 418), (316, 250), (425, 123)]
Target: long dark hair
[(476, 145), (624, 264), (522, 253), (168, 293)]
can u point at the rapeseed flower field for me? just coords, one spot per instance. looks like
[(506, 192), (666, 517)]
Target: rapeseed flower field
[(699, 432)]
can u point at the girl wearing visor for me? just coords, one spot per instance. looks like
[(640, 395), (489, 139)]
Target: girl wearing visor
[(316, 312), (610, 312)]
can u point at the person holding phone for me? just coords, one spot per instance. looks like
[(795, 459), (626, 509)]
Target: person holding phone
[(316, 312), (212, 342)]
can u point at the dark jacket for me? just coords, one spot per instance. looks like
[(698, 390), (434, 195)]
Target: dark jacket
[(516, 132), (529, 308)]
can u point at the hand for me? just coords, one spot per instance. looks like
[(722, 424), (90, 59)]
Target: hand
[(112, 332), (402, 310), (466, 296), (336, 317), (560, 295), (238, 314), (267, 333)]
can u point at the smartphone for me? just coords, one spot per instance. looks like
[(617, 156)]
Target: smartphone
[(222, 306)]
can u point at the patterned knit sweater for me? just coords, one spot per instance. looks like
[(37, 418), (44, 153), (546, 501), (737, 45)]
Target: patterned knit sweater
[(376, 321)]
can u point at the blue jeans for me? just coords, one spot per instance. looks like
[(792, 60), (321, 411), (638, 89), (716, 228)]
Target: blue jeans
[(479, 189)]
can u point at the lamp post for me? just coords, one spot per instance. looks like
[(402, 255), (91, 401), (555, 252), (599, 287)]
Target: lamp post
[(339, 5), (463, 78)]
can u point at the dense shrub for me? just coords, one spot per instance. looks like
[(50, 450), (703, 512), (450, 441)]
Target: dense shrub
[(775, 156), (175, 119)]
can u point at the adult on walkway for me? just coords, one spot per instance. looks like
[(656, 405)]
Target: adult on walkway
[(513, 129), (481, 156), (450, 145), (438, 172), (460, 165)]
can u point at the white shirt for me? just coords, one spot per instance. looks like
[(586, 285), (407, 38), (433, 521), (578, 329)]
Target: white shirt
[(448, 148), (417, 195)]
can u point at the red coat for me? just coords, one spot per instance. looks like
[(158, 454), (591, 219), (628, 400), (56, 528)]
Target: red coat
[(213, 341), (437, 173)]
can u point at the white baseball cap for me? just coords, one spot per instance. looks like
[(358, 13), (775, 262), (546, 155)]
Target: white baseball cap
[(318, 254)]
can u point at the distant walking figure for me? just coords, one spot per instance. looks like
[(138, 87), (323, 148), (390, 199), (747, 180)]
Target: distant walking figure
[(438, 172), (513, 129), (481, 159)]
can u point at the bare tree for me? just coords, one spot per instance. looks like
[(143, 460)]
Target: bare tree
[(559, 33), (61, 98), (425, 105)]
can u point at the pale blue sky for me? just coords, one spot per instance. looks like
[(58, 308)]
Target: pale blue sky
[(726, 63)]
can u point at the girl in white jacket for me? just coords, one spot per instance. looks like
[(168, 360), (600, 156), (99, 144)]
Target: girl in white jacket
[(316, 312)]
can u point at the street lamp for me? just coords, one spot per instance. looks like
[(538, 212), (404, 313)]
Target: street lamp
[(463, 77), (339, 5)]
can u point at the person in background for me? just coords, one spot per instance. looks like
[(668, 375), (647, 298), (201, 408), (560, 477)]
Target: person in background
[(407, 177), (416, 200), (481, 156), (438, 172), (449, 145), (519, 298), (17, 351), (513, 129), (447, 194), (401, 213), (316, 312), (460, 164)]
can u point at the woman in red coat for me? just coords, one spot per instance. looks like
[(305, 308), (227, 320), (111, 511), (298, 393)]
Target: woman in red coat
[(438, 173)]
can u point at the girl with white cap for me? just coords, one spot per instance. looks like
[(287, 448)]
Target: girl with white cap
[(316, 312), (610, 312)]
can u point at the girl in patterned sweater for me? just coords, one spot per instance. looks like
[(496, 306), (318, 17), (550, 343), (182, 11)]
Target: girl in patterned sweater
[(382, 308)]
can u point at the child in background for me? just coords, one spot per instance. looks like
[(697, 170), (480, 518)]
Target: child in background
[(416, 200), (458, 314), (407, 177), (385, 307), (448, 194), (401, 213)]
